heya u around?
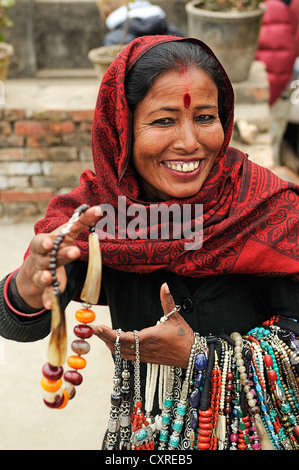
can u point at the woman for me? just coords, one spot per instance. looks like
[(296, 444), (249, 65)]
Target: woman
[(163, 122)]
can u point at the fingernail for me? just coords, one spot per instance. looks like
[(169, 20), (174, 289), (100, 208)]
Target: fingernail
[(47, 244), (98, 211), (72, 252), (166, 288)]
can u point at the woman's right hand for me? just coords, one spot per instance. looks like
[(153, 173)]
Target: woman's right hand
[(34, 278)]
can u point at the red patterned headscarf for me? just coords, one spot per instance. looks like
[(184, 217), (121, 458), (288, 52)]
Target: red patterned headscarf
[(250, 217)]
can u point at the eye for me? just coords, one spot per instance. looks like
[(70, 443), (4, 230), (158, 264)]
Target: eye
[(205, 118), (163, 121)]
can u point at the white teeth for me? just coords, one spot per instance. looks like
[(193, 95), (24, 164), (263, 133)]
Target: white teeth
[(185, 168)]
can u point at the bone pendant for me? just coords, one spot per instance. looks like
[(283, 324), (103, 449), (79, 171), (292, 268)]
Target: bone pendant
[(92, 286), (221, 430), (57, 349), (264, 439)]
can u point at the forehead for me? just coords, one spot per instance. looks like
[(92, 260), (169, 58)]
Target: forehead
[(175, 84)]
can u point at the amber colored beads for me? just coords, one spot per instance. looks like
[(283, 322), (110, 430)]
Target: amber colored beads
[(76, 362), (85, 315), (59, 387), (52, 385)]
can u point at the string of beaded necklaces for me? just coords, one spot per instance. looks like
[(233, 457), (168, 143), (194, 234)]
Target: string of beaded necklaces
[(59, 386), (238, 392)]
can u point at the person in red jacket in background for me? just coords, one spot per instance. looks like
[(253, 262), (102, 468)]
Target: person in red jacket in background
[(278, 48)]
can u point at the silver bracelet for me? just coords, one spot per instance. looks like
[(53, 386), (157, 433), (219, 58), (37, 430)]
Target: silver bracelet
[(137, 387)]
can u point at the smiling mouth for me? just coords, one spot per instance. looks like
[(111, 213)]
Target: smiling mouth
[(186, 167)]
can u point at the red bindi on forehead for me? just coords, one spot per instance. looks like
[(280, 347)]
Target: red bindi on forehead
[(187, 100), (186, 81)]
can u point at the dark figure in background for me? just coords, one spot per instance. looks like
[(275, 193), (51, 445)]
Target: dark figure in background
[(145, 19)]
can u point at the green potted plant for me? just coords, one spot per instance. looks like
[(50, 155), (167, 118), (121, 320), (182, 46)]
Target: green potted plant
[(6, 50), (231, 28)]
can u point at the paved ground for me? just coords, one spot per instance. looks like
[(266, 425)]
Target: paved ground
[(25, 422)]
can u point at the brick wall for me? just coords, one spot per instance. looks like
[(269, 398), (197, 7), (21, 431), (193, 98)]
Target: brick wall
[(41, 155)]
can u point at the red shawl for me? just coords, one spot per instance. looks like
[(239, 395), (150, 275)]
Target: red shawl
[(251, 217)]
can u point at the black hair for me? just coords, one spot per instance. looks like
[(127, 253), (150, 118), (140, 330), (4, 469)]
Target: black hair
[(170, 56)]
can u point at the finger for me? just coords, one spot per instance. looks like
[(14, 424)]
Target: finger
[(86, 219), (166, 298), (103, 332), (42, 278), (67, 254), (64, 256), (41, 244), (47, 298), (108, 335)]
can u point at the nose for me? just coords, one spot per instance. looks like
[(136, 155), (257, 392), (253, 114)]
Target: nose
[(186, 140)]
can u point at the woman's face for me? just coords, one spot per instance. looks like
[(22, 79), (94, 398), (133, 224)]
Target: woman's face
[(177, 134)]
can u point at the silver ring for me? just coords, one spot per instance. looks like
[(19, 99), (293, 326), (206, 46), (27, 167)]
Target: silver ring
[(177, 308), (118, 335)]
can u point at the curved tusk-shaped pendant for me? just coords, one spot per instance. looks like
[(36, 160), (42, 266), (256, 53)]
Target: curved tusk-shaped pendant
[(264, 438), (92, 286), (221, 430), (57, 349)]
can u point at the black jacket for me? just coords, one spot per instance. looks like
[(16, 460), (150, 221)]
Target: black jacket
[(211, 305)]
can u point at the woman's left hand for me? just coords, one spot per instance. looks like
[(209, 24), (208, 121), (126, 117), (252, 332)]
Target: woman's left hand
[(168, 343)]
